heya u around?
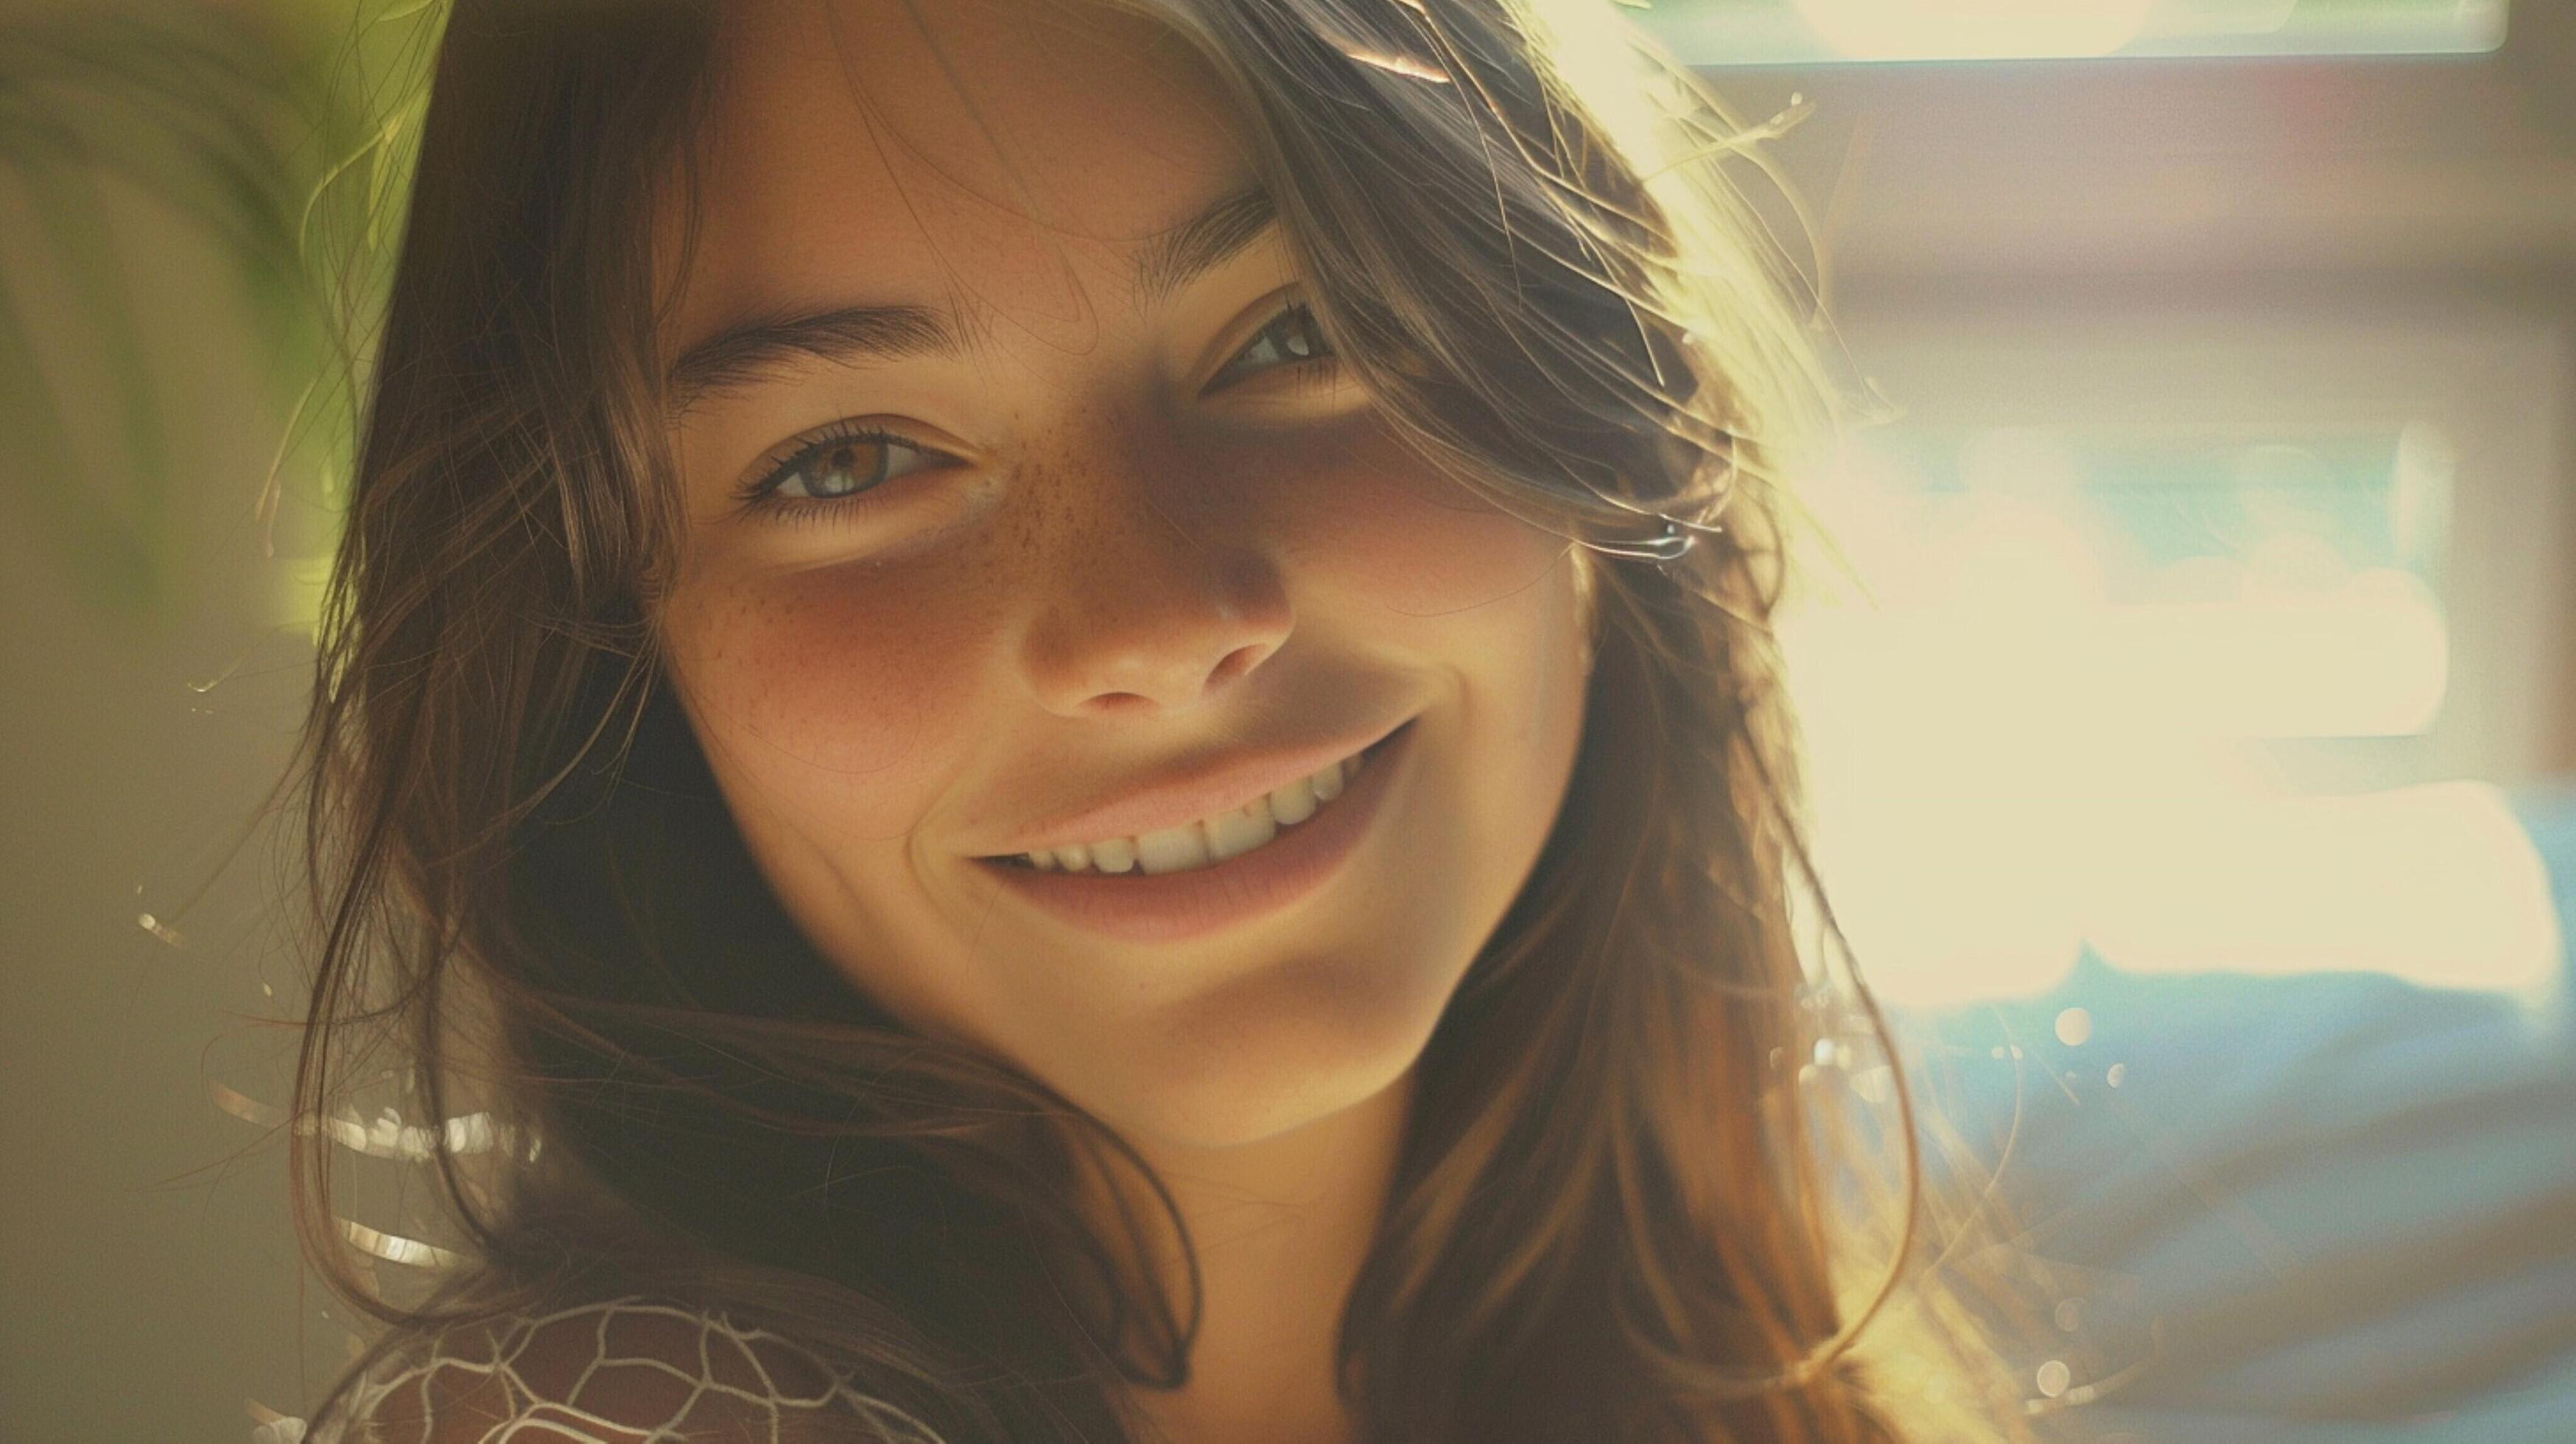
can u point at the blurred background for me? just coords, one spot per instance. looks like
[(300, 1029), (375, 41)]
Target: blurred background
[(2225, 462), (2203, 598)]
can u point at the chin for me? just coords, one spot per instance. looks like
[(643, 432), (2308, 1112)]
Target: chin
[(1269, 1054)]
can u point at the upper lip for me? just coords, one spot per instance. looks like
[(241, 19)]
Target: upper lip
[(1192, 789)]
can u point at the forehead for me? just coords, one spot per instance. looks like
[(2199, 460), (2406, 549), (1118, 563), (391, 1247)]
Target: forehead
[(991, 154)]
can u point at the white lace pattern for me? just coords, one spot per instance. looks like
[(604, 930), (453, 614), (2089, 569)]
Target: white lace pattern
[(627, 1371)]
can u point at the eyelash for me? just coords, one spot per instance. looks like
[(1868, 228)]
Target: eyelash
[(761, 494), (1302, 366)]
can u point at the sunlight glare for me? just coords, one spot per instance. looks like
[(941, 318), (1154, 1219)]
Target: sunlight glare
[(1986, 29)]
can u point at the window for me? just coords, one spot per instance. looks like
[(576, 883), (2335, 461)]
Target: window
[(2125, 608), (1772, 32)]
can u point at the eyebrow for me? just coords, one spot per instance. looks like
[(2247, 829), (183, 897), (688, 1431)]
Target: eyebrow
[(1176, 257), (758, 348), (754, 350)]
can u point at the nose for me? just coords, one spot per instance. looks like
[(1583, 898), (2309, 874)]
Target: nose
[(1144, 612)]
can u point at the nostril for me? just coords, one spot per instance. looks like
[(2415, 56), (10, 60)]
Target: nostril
[(1237, 662)]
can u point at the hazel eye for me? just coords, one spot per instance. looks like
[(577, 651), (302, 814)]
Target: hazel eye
[(841, 466), (1291, 339)]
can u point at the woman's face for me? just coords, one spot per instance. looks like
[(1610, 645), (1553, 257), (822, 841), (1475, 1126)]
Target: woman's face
[(1027, 515)]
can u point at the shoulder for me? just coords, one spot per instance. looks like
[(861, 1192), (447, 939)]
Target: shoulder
[(621, 1371)]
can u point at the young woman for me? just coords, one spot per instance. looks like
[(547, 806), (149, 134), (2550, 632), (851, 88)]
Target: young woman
[(1066, 705)]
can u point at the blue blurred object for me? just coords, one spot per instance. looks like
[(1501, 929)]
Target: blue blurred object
[(2330, 1207)]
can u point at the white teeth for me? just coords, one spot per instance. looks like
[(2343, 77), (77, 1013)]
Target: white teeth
[(1173, 848), (1293, 803), (1207, 841), (1232, 834)]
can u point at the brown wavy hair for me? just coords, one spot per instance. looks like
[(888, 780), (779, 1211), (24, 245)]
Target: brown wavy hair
[(1616, 1215)]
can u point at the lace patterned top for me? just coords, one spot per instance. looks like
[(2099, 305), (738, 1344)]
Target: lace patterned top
[(626, 1371)]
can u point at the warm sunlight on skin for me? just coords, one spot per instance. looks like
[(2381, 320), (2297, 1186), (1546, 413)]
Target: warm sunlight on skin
[(1119, 534), (1056, 536)]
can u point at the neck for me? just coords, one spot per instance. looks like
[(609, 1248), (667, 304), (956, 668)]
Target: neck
[(1280, 1228)]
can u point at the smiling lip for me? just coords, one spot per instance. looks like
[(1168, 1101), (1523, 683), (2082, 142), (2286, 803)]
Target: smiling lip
[(1174, 906), (1198, 791)]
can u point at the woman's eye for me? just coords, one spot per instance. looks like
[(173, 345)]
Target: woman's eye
[(844, 466), (1292, 338)]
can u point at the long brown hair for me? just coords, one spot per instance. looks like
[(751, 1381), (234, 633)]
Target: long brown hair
[(1615, 1215)]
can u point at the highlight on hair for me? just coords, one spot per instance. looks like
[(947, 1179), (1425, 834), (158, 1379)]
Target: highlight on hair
[(1617, 1213)]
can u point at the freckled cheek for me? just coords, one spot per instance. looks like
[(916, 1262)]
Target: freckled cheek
[(1383, 529), (842, 694)]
